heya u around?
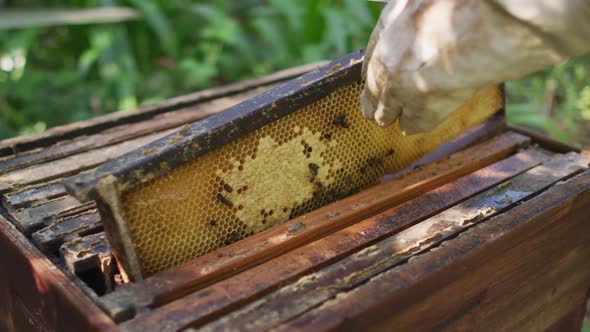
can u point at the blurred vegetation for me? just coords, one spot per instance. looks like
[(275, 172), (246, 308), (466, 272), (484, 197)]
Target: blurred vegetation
[(50, 75)]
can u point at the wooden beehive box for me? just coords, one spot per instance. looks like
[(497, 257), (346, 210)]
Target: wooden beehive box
[(489, 232)]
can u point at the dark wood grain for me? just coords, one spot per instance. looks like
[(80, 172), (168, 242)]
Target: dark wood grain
[(33, 195), (258, 248), (28, 220), (217, 299), (50, 238), (124, 133), (523, 270), (71, 165), (35, 295)]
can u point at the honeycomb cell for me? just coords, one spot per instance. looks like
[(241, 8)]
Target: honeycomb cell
[(190, 210)]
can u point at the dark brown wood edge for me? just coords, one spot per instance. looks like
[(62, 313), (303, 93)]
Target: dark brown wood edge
[(159, 157), (263, 246), (229, 294), (357, 269), (34, 292), (545, 141), (571, 322), (120, 133), (95, 125), (547, 229)]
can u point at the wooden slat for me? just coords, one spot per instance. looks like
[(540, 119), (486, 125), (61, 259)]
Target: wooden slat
[(126, 132), (74, 211), (31, 219), (33, 196), (524, 270), (264, 246), (53, 135), (50, 238), (315, 289), (44, 295), (71, 165), (545, 141), (212, 301)]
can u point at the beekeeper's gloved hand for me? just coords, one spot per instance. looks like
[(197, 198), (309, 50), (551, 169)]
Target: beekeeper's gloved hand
[(426, 58)]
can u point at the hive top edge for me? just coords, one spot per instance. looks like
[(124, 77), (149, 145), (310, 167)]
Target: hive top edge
[(196, 139)]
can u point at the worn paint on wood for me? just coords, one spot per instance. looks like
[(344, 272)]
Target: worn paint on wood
[(91, 253), (33, 196), (31, 219)]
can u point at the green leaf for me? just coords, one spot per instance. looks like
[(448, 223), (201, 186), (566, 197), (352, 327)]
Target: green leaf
[(336, 30), (220, 27), (100, 40), (160, 25)]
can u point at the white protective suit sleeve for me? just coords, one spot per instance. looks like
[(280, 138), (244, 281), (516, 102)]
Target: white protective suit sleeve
[(426, 58)]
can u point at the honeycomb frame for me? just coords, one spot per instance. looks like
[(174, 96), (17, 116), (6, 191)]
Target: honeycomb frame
[(138, 185)]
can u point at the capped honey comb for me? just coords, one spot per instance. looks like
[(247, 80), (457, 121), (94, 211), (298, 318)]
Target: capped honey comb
[(302, 161)]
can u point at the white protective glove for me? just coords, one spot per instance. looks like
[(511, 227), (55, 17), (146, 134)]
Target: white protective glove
[(426, 58)]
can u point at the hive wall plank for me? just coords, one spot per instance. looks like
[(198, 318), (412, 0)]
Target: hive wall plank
[(33, 196), (266, 245), (35, 295), (221, 297), (523, 270), (71, 165), (355, 270), (51, 237)]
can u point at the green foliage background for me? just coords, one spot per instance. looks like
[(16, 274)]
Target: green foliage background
[(74, 72)]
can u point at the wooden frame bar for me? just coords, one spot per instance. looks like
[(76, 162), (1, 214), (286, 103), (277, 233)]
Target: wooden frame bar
[(341, 245), (264, 246), (543, 248)]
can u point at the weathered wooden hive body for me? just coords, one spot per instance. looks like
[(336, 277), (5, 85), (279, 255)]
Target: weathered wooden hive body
[(214, 236)]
